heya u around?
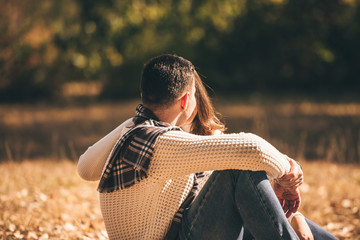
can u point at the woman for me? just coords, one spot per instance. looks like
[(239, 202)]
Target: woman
[(206, 122)]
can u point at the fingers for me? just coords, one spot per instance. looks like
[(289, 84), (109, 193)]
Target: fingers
[(291, 183), (291, 207), (295, 171), (294, 178), (296, 206), (284, 205), (288, 214), (290, 201)]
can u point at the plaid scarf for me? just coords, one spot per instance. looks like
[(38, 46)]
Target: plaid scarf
[(131, 155)]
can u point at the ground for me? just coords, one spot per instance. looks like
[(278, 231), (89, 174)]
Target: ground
[(43, 199)]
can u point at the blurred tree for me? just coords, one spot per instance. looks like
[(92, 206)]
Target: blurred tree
[(240, 45), (30, 62), (301, 46), (155, 27)]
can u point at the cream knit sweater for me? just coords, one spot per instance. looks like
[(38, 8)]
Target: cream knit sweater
[(145, 210)]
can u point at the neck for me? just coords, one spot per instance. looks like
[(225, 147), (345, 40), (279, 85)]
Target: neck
[(168, 114)]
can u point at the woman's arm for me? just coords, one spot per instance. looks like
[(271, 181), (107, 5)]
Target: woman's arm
[(301, 227), (92, 161), (178, 153)]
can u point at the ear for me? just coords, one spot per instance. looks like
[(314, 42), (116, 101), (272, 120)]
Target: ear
[(184, 100)]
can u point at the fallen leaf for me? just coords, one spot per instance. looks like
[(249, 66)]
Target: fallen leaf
[(32, 235), (12, 227), (44, 236), (17, 234), (346, 203), (69, 227)]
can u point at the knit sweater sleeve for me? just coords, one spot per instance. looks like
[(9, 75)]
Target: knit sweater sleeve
[(178, 153)]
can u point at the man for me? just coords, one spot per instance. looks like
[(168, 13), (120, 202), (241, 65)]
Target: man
[(150, 169)]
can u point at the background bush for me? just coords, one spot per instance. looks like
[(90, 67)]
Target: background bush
[(241, 46)]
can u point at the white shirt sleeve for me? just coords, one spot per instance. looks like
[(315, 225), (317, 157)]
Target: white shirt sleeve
[(293, 215), (92, 161)]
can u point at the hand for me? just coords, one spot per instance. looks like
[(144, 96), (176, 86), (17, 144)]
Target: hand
[(290, 199), (294, 178), (301, 227)]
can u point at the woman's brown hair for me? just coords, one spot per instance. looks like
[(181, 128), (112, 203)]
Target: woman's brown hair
[(206, 121)]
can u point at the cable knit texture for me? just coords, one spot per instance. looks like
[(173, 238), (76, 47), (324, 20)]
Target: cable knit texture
[(145, 210)]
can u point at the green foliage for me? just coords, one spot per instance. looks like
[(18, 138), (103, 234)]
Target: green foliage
[(240, 45)]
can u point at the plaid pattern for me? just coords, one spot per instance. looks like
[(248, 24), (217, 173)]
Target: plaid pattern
[(130, 158)]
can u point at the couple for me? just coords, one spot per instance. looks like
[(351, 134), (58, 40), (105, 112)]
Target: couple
[(171, 173)]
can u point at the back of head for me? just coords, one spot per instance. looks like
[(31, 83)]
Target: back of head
[(164, 78)]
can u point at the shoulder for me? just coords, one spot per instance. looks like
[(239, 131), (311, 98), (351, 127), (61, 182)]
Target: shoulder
[(185, 136)]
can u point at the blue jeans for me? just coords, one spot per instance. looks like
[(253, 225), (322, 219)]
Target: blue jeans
[(229, 200)]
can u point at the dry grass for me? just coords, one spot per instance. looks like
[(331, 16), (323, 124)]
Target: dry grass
[(47, 200), (303, 130), (331, 197)]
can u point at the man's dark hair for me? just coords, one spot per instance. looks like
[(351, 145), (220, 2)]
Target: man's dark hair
[(164, 78)]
